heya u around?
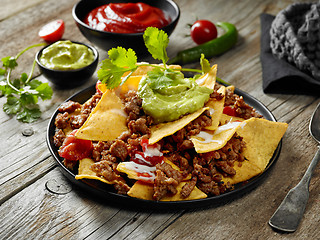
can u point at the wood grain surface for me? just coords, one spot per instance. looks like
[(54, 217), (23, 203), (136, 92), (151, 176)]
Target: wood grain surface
[(29, 210)]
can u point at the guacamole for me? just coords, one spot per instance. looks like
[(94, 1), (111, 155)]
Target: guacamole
[(66, 55), (166, 99)]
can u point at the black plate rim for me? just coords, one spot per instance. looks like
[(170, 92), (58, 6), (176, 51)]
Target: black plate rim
[(187, 204)]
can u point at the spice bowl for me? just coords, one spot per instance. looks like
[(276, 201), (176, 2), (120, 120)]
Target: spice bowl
[(106, 40), (69, 78)]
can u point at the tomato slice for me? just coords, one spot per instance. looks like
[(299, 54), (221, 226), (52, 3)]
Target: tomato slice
[(97, 86), (75, 149), (52, 31), (229, 111)]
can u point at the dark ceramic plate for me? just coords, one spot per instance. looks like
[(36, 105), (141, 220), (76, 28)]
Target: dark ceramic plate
[(105, 191)]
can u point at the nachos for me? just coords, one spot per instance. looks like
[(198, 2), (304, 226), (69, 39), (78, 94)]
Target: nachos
[(156, 135)]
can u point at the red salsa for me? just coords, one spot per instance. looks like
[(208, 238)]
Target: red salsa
[(74, 149), (150, 156), (126, 17)]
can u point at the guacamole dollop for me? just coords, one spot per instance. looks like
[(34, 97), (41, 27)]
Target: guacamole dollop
[(66, 55), (169, 96)]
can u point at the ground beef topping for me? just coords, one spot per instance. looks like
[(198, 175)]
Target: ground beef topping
[(242, 109), (206, 170), (59, 137), (107, 170), (69, 106)]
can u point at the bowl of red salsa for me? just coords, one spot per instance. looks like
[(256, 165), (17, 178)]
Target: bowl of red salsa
[(114, 23)]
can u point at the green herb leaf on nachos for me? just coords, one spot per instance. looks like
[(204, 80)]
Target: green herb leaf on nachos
[(156, 41), (120, 61)]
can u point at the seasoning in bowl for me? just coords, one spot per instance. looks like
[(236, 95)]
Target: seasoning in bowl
[(66, 55), (126, 17)]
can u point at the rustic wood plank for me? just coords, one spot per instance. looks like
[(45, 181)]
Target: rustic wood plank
[(74, 215), (152, 225), (27, 177), (32, 151), (12, 7)]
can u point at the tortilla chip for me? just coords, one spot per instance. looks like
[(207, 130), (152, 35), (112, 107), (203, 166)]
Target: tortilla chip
[(131, 84), (246, 171), (106, 122), (145, 191), (208, 79), (262, 138), (162, 130), (216, 109), (84, 171), (230, 88), (195, 194), (224, 118), (141, 190), (207, 141)]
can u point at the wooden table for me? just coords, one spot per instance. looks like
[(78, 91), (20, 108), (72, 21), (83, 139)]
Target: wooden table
[(30, 211)]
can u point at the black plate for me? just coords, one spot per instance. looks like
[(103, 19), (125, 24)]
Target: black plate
[(105, 191)]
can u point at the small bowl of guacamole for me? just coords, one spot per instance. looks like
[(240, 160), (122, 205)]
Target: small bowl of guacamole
[(67, 63)]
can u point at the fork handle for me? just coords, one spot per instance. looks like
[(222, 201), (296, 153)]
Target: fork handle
[(289, 213), (308, 174)]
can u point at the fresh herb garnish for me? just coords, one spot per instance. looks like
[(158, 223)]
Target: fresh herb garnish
[(156, 42), (122, 60), (22, 93)]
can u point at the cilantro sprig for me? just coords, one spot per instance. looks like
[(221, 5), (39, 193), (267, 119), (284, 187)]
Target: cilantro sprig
[(123, 60), (24, 92)]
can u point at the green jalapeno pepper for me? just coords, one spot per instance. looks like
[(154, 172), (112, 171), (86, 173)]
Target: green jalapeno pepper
[(211, 48)]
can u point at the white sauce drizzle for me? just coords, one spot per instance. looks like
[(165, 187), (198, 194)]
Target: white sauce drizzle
[(225, 127), (141, 169), (211, 110), (152, 151), (207, 138)]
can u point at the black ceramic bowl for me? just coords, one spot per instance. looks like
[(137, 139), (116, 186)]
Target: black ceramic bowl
[(106, 40), (69, 78)]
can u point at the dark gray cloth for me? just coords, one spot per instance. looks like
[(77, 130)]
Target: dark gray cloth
[(279, 76)]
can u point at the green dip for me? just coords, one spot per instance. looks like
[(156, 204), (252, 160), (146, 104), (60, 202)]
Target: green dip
[(169, 102), (65, 55)]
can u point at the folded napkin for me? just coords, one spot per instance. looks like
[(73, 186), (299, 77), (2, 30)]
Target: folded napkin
[(280, 76)]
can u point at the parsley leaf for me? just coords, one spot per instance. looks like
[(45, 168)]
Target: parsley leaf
[(205, 65), (12, 106), (9, 62), (123, 58), (22, 93), (156, 41), (44, 91), (120, 61), (29, 115)]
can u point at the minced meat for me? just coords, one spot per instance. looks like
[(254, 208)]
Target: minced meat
[(206, 169)]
